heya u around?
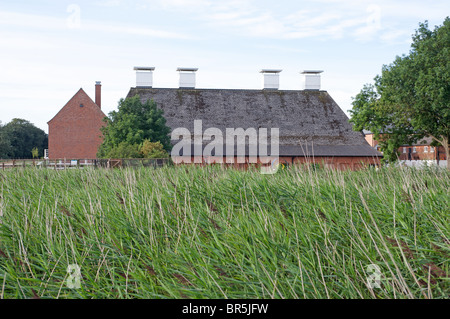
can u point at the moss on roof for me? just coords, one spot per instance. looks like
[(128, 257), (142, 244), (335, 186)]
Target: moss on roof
[(303, 117)]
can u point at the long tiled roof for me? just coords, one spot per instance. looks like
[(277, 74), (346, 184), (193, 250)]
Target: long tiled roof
[(309, 122)]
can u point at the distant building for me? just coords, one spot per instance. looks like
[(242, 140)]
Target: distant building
[(416, 154), (371, 140), (312, 127), (74, 132), (412, 155)]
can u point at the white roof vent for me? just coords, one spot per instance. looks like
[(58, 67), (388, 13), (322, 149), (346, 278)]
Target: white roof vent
[(271, 79), (311, 79), (144, 76), (187, 78)]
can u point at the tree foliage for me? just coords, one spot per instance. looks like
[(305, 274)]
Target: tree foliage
[(130, 126), (35, 152), (19, 137), (5, 144), (153, 150), (145, 150), (124, 150), (411, 97)]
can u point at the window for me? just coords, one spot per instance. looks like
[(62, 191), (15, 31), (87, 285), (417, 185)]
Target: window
[(425, 149), (414, 150), (431, 149), (404, 150)]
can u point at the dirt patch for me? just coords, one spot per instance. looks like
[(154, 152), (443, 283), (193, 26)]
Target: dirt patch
[(203, 232), (216, 226), (406, 197), (150, 270), (182, 280), (440, 250), (121, 199), (221, 272), (406, 250), (35, 295), (212, 208), (322, 215), (282, 227), (284, 212), (124, 275), (65, 211), (435, 271)]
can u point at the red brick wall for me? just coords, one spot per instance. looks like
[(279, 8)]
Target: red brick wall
[(74, 133), (421, 153), (341, 163), (369, 138)]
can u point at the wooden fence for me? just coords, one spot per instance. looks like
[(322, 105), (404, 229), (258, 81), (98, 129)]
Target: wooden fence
[(81, 163)]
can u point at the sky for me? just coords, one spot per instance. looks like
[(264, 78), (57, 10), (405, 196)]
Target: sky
[(51, 49)]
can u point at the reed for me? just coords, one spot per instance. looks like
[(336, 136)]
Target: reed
[(211, 232)]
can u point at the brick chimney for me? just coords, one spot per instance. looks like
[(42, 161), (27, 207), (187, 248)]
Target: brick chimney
[(98, 93)]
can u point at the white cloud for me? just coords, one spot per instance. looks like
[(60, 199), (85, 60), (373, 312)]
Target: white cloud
[(182, 4), (133, 30), (47, 22), (53, 61), (396, 36), (108, 3), (362, 21), (248, 19)]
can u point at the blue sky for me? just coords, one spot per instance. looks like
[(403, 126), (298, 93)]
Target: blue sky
[(49, 49)]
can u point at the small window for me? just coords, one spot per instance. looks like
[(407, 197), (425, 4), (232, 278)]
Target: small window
[(425, 149), (431, 149), (81, 105), (404, 150), (414, 150)]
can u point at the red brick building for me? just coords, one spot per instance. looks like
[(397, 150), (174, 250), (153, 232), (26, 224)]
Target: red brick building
[(74, 132), (421, 151)]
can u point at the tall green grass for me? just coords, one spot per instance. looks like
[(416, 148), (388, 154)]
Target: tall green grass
[(191, 232)]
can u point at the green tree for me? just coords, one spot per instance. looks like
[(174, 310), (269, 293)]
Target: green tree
[(35, 152), (153, 150), (411, 97), (5, 144), (133, 123), (124, 150), (20, 137)]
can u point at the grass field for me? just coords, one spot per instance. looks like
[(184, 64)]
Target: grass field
[(189, 232)]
